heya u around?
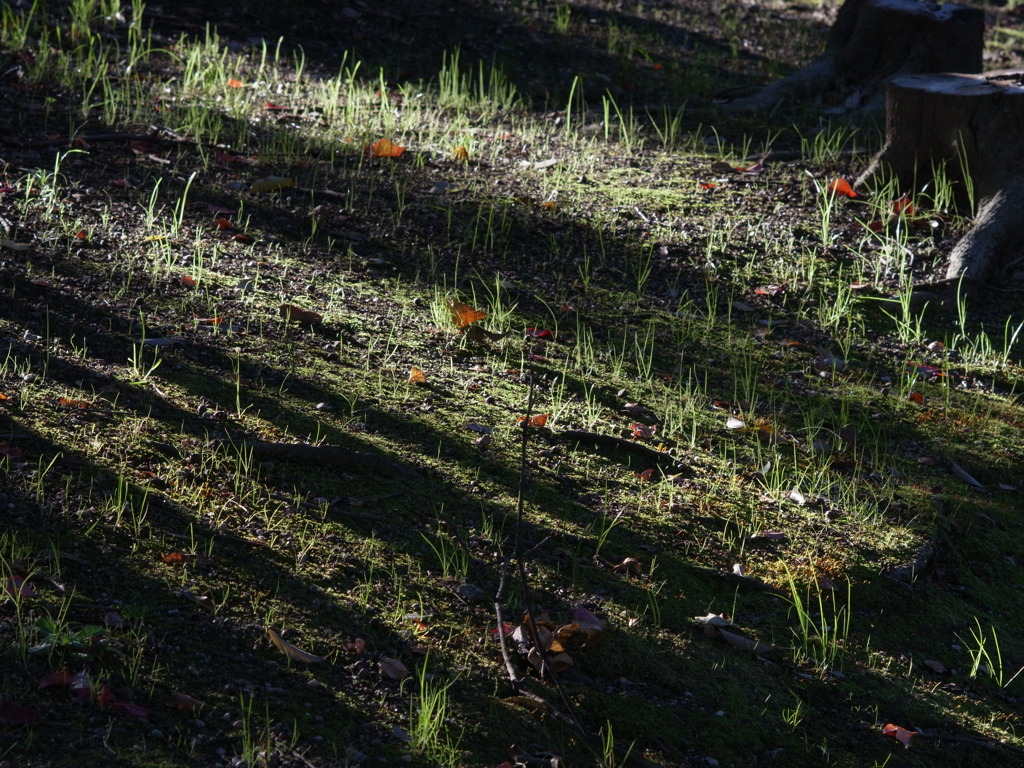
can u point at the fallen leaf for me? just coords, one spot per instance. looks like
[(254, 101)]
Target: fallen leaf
[(642, 430), (745, 643), (713, 620), (15, 714), (292, 313), (461, 154), (223, 223), (384, 148), (629, 565), (534, 421), (539, 333), (463, 314), (393, 668), (67, 402), (961, 473), (417, 376), (271, 184), (185, 702), (188, 281), (902, 735), (128, 709), (235, 83), (915, 397), (292, 652), (59, 679), (799, 498), (733, 423), (841, 187), (638, 411), (16, 586), (647, 474), (902, 205)]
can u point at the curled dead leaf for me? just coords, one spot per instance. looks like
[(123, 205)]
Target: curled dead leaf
[(902, 735), (393, 668), (294, 314), (291, 651)]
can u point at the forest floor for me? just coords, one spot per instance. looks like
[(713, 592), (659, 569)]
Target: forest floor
[(344, 340)]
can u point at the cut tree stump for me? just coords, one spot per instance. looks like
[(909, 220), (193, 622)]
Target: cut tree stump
[(972, 127), (873, 41)]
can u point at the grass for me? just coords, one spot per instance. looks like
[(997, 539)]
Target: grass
[(172, 190)]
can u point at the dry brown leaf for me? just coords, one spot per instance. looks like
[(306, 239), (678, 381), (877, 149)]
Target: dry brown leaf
[(745, 643), (294, 314), (292, 652), (185, 702), (393, 668)]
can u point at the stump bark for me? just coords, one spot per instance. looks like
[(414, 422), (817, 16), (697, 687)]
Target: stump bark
[(873, 41), (972, 127)]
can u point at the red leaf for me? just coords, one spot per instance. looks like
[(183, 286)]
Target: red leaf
[(707, 185), (105, 697), (188, 281), (539, 333), (916, 397), (128, 709), (902, 205), (642, 430), (275, 107), (841, 187), (384, 148), (647, 474), (223, 223), (16, 586), (15, 714), (59, 679)]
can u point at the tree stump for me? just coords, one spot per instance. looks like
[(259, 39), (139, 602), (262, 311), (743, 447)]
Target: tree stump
[(873, 41), (971, 126)]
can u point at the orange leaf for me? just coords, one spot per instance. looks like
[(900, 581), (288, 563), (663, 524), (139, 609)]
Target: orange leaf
[(902, 735), (647, 474), (384, 148), (233, 83), (707, 185), (535, 421), (461, 154), (842, 188), (173, 558), (299, 315), (68, 402), (916, 397), (417, 376), (463, 314), (223, 223), (188, 281)]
